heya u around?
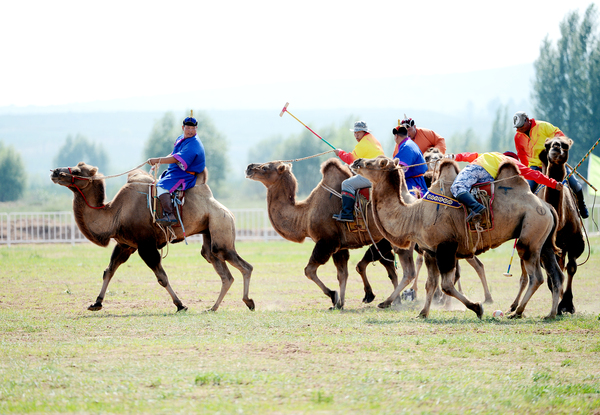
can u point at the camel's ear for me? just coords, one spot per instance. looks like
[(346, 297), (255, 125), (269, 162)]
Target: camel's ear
[(93, 171), (383, 162), (283, 167), (570, 142), (396, 161), (81, 163)]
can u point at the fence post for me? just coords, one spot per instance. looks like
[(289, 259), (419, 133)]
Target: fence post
[(8, 226), (72, 216)]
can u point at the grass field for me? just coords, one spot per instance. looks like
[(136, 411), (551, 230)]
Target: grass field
[(291, 355)]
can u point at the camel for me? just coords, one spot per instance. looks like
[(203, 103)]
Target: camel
[(127, 219), (434, 154), (442, 231), (312, 218), (569, 236)]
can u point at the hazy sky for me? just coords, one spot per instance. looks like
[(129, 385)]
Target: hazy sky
[(58, 52)]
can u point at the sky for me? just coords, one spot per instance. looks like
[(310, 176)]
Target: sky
[(60, 52)]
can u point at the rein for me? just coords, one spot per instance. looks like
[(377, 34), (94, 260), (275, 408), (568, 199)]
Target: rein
[(73, 185)]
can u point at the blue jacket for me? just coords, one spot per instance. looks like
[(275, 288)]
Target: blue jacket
[(189, 153), (408, 154)]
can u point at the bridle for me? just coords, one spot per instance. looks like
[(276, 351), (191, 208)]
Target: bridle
[(73, 185)]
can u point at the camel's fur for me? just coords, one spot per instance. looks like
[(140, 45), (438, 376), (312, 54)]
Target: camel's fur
[(433, 154), (127, 220), (569, 237), (442, 231), (312, 218)]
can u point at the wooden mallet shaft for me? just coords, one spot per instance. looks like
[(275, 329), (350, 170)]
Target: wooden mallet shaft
[(286, 110)]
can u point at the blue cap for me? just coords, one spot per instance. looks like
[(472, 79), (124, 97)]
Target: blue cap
[(190, 121)]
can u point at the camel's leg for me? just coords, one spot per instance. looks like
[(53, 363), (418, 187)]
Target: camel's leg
[(574, 251), (566, 304), (480, 270), (340, 259), (246, 269), (151, 257), (120, 254), (372, 255), (408, 274), (219, 266), (446, 260), (433, 279), (555, 278), (320, 255), (534, 271), (418, 265), (522, 285)]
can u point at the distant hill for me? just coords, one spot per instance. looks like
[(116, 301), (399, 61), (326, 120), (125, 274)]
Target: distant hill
[(445, 103)]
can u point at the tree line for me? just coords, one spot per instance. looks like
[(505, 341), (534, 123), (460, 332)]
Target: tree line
[(566, 93)]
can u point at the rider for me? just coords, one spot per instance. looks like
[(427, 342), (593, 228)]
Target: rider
[(367, 147), (423, 137), (530, 140), (409, 154), (484, 168), (185, 161)]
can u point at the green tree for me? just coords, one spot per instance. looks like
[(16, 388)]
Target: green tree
[(502, 136), (566, 88), (165, 132), (80, 148), (465, 142), (12, 174), (305, 144)]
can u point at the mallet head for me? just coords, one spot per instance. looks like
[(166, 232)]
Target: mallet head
[(284, 109)]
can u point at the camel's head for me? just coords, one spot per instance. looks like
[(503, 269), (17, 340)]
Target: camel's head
[(375, 169), (267, 173), (557, 149), (432, 154), (68, 176)]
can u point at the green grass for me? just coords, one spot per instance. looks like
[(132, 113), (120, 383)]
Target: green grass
[(290, 356)]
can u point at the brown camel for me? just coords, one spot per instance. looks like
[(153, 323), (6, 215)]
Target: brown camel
[(442, 231), (127, 220), (434, 154), (569, 236), (312, 218)]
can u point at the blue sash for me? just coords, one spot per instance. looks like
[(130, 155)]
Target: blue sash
[(441, 200)]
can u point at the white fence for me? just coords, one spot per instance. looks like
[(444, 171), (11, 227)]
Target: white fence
[(60, 227)]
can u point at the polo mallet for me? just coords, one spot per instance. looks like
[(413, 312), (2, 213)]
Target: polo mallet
[(507, 273), (286, 110)]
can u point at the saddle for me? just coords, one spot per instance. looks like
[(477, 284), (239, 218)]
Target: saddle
[(484, 194), (363, 197)]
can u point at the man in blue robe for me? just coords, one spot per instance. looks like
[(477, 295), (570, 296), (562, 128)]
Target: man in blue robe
[(408, 154), (186, 160)]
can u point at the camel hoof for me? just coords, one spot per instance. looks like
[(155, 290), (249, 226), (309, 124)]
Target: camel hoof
[(181, 308), (250, 304), (385, 304), (422, 315), (489, 300), (550, 316), (95, 307), (566, 308), (335, 298), (514, 316), (478, 310), (369, 297)]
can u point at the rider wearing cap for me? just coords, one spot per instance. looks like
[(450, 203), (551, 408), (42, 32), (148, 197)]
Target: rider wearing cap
[(409, 155), (530, 140), (423, 137), (367, 147), (484, 168), (185, 161)]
